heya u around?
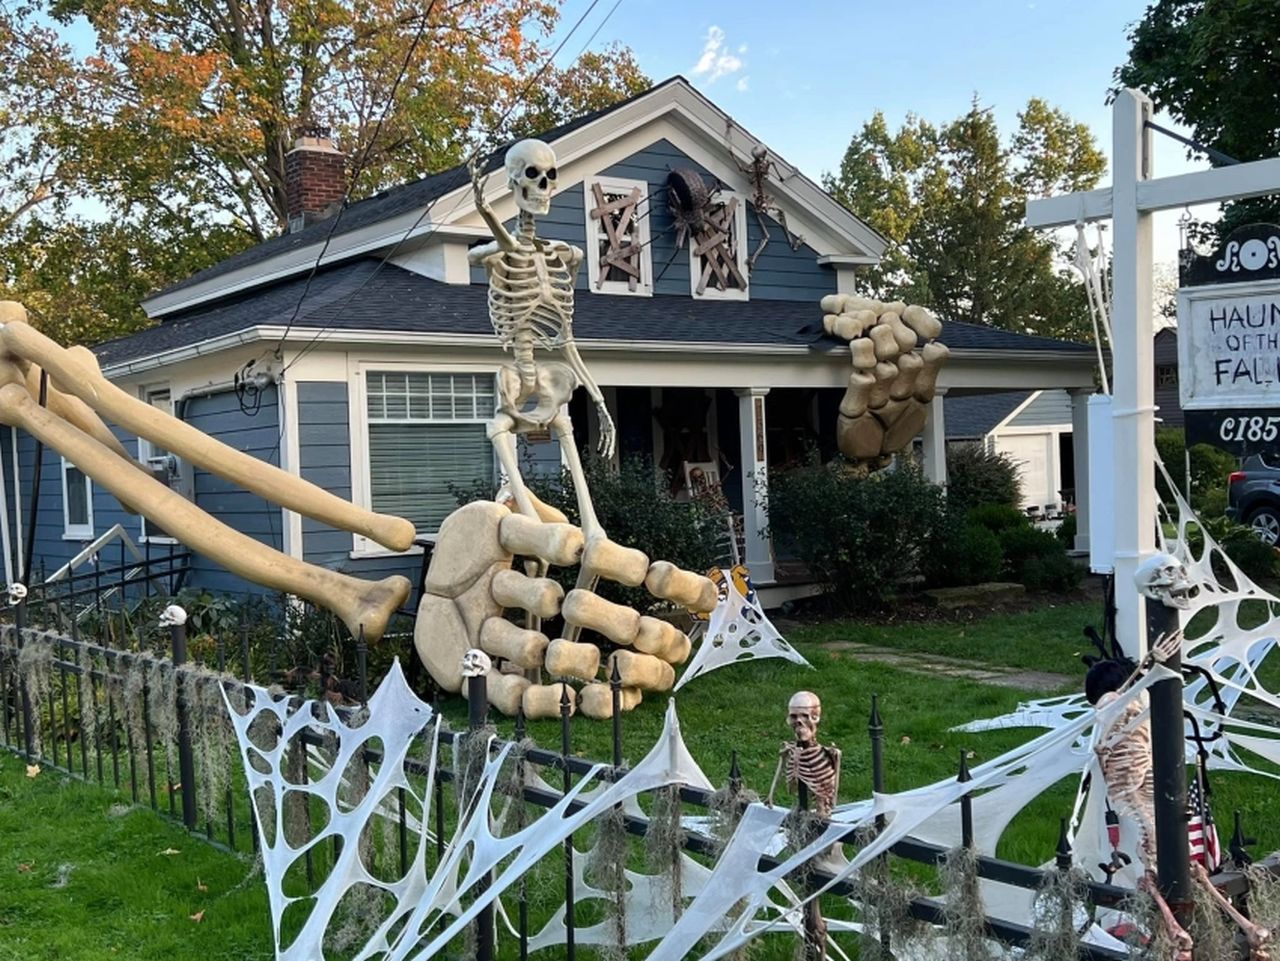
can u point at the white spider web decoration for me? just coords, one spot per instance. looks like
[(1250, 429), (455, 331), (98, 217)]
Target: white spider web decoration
[(738, 630)]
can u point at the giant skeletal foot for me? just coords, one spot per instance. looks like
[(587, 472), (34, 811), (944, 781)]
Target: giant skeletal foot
[(893, 378), (1256, 937), (1183, 947), (471, 585)]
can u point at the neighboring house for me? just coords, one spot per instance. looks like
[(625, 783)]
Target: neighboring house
[(1169, 407), (1033, 427), (378, 382)]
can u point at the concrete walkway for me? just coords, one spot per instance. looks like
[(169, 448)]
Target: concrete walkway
[(920, 662)]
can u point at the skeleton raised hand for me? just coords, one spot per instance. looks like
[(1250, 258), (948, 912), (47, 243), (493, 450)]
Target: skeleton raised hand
[(893, 379)]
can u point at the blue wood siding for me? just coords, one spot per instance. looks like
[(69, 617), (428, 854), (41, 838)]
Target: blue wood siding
[(780, 273)]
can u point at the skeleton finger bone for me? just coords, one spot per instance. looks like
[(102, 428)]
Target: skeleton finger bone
[(854, 402), (878, 396), (513, 643), (903, 422), (539, 596), (642, 670), (909, 367), (558, 544), (77, 373), (660, 639), (934, 356), (542, 701), (829, 322), (886, 345), (584, 609), (504, 691), (904, 336), (624, 565), (689, 590), (596, 700), (573, 659), (922, 322), (360, 604), (863, 352)]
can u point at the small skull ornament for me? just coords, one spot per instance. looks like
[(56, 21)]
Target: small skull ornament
[(804, 713), (475, 663), (1164, 578), (531, 174)]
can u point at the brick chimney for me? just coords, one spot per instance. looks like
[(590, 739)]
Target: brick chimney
[(315, 178)]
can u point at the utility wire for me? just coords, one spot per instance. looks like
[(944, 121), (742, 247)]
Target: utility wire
[(496, 128)]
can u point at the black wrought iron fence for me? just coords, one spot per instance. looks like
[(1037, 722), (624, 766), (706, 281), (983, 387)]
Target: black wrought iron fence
[(155, 727)]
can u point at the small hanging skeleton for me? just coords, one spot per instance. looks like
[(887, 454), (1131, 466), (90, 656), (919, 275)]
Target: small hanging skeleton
[(1124, 753), (806, 761), (762, 202)]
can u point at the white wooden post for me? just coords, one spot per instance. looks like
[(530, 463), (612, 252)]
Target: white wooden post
[(934, 446), (1080, 461), (754, 457), (1133, 400)]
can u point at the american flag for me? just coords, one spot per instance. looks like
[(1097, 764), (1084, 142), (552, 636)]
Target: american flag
[(1201, 831)]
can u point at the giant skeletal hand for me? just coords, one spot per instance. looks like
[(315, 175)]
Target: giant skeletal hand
[(893, 379), (68, 422), (471, 584)]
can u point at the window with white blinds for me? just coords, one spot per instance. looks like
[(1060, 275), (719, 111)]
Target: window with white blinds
[(426, 434)]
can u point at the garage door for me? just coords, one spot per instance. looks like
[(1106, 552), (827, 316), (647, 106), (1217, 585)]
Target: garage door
[(1031, 453)]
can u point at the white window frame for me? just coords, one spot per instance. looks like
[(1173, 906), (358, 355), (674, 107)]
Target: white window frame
[(358, 416), (595, 235), (70, 531), (740, 228), (145, 393)]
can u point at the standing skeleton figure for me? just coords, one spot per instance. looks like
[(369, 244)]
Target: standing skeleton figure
[(1124, 754), (531, 306), (806, 761)]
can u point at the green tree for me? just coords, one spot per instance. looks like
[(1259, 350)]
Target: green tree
[(951, 202), (1215, 67), (174, 130)]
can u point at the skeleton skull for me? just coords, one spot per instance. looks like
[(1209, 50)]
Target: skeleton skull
[(531, 174), (804, 711), (1164, 578), (475, 663)]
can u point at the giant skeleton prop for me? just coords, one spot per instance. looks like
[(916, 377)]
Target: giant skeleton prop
[(57, 395), (470, 582)]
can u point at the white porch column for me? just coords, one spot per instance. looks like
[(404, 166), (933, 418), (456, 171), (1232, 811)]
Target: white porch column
[(934, 448), (754, 457), (1080, 460)]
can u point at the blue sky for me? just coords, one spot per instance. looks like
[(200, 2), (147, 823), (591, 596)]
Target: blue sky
[(804, 75)]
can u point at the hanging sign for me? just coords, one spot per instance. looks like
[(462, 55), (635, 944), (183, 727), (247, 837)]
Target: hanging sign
[(1229, 343)]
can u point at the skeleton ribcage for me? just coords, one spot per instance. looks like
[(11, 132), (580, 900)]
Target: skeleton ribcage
[(1124, 751), (530, 292), (813, 767)]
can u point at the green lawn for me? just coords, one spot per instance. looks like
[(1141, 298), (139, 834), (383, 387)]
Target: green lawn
[(122, 897)]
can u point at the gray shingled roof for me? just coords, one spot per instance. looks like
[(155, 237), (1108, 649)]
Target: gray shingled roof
[(360, 295), (971, 416), (387, 204)]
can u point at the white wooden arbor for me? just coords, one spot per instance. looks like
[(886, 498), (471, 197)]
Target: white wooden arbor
[(1131, 200)]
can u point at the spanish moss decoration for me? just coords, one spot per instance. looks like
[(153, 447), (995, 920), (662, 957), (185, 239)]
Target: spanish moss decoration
[(1058, 914), (965, 915), (210, 735), (664, 843), (889, 930), (1264, 897), (606, 869), (35, 663), (1212, 933), (470, 757)]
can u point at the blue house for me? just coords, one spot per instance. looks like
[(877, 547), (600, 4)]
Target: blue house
[(374, 378)]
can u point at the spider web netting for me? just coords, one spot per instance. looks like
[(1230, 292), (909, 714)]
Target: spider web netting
[(737, 630)]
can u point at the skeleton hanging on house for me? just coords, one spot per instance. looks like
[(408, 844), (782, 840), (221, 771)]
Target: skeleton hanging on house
[(805, 760), (1124, 753), (763, 202)]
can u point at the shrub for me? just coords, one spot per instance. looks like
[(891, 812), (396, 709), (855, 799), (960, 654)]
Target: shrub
[(964, 553), (1021, 544), (1209, 469), (1067, 530), (1256, 559), (860, 536), (636, 512), (1051, 572), (998, 518), (976, 476)]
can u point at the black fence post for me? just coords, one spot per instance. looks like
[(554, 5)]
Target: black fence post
[(523, 916), (24, 694), (1062, 856), (1169, 768), (570, 925), (477, 715), (362, 667), (875, 730), (966, 803), (176, 618)]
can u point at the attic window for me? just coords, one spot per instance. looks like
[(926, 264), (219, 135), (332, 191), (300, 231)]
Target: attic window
[(718, 253), (619, 259)]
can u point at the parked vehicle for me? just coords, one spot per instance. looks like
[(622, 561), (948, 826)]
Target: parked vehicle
[(1253, 497)]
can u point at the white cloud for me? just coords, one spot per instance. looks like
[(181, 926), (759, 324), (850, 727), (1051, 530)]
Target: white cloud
[(742, 84), (718, 60)]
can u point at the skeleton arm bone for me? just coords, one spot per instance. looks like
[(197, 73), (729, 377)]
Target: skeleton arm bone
[(502, 236), (777, 773), (607, 433)]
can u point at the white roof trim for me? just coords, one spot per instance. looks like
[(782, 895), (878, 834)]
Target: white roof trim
[(1015, 412), (676, 98)]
